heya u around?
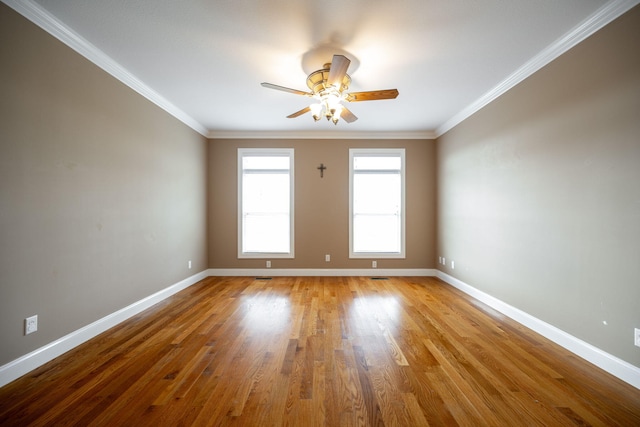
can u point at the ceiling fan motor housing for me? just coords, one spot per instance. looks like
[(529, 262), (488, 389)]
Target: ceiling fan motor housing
[(317, 81)]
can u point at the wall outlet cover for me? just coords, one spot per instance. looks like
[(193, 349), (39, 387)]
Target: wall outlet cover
[(30, 324)]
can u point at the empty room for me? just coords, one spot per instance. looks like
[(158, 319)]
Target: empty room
[(416, 213)]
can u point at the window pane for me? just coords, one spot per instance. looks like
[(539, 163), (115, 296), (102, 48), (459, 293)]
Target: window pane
[(265, 162), (376, 212), (377, 163), (376, 193), (377, 203), (376, 233), (266, 233), (265, 193), (265, 189)]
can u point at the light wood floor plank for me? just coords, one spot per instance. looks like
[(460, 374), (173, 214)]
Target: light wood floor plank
[(319, 351)]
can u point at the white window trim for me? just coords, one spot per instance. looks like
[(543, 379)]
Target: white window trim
[(242, 152), (382, 152)]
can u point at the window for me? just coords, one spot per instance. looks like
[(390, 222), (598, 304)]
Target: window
[(376, 203), (265, 203)]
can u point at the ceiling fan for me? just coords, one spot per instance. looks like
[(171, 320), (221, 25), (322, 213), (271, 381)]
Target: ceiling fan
[(328, 87)]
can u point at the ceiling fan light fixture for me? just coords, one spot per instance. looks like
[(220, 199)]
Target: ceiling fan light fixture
[(316, 111), (336, 112), (328, 86)]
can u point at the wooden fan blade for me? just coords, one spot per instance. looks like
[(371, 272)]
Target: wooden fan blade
[(339, 67), (285, 89), (347, 115), (372, 95), (299, 113)]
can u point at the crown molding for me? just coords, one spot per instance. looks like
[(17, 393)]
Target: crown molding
[(319, 135), (39, 16), (603, 16), (42, 18)]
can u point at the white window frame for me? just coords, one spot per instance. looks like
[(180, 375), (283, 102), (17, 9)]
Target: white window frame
[(377, 152), (266, 152)]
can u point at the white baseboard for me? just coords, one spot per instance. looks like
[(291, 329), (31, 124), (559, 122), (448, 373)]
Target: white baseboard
[(615, 366), (611, 364), (306, 272), (17, 368), (24, 364)]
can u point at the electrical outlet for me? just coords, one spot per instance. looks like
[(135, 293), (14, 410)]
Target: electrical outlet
[(453, 265), (189, 264), (637, 337), (30, 324), (268, 264), (327, 258), (374, 264), (444, 261)]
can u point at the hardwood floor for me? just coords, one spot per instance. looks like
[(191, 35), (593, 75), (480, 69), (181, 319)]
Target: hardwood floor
[(319, 351)]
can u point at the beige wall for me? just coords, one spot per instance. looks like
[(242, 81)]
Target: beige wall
[(102, 194), (104, 197), (322, 204), (539, 193)]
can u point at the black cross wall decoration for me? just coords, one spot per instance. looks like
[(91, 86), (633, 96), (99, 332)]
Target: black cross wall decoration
[(322, 167)]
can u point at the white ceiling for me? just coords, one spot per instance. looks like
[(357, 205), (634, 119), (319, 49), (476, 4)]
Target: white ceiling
[(203, 61)]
